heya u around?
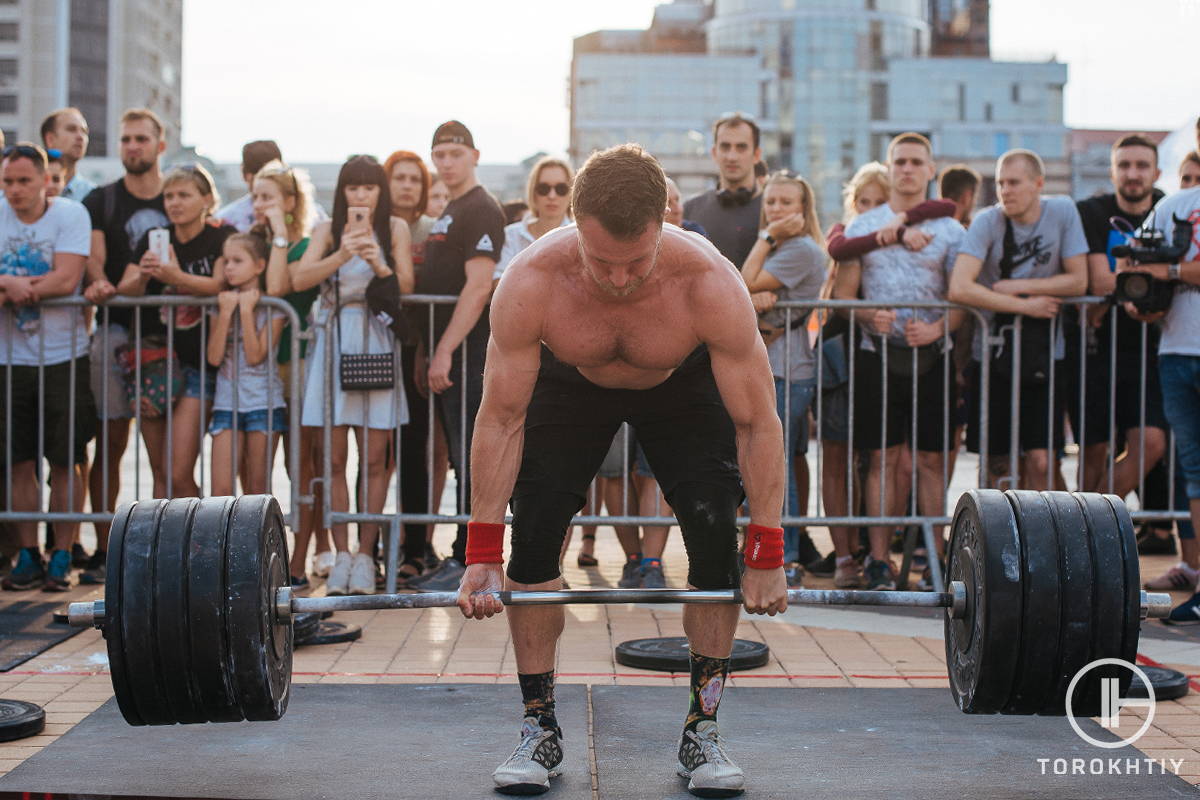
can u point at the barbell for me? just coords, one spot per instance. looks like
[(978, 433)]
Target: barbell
[(197, 611)]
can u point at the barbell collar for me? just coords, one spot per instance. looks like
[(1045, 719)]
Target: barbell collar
[(86, 615), (1156, 606)]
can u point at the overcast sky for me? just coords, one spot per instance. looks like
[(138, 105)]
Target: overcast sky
[(327, 79)]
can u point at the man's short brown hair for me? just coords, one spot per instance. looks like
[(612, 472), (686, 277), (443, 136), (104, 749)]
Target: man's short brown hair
[(50, 122), (1192, 156), (139, 114), (1136, 140), (259, 153), (910, 137), (1031, 159), (737, 118), (957, 179), (623, 188)]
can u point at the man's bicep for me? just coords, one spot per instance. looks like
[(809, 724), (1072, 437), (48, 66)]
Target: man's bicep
[(509, 375), (743, 377)]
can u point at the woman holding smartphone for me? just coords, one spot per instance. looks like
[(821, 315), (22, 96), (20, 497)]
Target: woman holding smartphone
[(363, 242), (194, 266)]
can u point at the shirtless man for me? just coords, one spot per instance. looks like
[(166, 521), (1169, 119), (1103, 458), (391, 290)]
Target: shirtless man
[(622, 319)]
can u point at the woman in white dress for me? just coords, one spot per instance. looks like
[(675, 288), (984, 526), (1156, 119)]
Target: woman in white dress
[(345, 255)]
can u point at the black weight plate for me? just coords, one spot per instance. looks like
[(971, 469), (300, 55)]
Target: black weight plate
[(670, 654), (171, 611), (61, 617), (138, 617), (113, 612), (304, 625), (1168, 684), (1108, 606), (1040, 607), (19, 720), (211, 667), (1075, 597), (1133, 579), (330, 632), (256, 566), (981, 650)]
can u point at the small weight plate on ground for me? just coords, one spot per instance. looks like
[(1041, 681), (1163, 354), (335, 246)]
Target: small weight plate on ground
[(305, 624), (981, 649), (19, 720), (256, 567), (1108, 600), (670, 654), (61, 617), (1168, 684), (1075, 597), (1040, 609), (330, 632)]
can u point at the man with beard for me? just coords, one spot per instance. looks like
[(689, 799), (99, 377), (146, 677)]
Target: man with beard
[(66, 131), (121, 212), (1134, 170)]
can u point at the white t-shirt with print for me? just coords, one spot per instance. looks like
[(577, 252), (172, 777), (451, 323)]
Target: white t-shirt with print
[(43, 335)]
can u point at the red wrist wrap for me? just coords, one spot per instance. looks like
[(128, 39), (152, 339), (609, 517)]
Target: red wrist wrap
[(485, 543), (764, 547)]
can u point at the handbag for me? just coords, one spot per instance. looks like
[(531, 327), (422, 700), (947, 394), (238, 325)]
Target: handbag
[(1035, 333), (361, 372)]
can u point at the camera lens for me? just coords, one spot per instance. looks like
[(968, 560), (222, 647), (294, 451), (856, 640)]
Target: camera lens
[(1137, 286)]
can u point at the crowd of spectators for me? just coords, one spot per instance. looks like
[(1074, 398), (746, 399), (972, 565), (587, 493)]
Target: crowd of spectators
[(951, 333)]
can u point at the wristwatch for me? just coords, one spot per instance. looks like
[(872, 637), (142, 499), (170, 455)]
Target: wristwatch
[(766, 237), (279, 241), (1173, 272)]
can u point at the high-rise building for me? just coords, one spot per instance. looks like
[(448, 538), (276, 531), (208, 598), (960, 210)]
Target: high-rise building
[(102, 56), (828, 81)]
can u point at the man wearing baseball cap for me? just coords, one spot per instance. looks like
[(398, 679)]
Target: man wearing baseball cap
[(460, 255)]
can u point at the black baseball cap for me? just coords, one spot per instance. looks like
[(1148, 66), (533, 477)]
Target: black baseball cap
[(453, 132)]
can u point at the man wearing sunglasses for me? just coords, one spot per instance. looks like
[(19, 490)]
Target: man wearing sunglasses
[(66, 131), (729, 213)]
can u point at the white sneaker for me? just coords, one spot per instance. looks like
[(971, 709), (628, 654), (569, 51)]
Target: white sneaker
[(362, 575), (339, 576), (323, 563), (703, 760), (537, 759)]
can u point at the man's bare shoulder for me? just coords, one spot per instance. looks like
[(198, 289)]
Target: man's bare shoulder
[(708, 274)]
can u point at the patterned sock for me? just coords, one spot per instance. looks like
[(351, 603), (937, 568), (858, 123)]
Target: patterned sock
[(652, 562), (634, 557), (537, 690), (708, 681)]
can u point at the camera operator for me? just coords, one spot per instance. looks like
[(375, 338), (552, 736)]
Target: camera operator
[(1133, 171), (1179, 349), (1019, 259)]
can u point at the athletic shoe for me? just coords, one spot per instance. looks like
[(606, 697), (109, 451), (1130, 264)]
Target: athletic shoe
[(1151, 544), (703, 761), (631, 575), (96, 570), (300, 584), (1186, 613), (28, 573), (794, 575), (445, 578), (652, 577), (848, 574), (537, 759), (808, 551), (323, 563), (79, 556), (926, 582), (432, 560), (339, 577), (1177, 578), (920, 559), (362, 574), (58, 573), (897, 543), (823, 567), (880, 576)]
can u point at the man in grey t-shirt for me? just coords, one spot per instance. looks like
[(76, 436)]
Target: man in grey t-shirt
[(1019, 259), (730, 212)]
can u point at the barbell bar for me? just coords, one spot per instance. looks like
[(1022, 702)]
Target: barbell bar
[(197, 613)]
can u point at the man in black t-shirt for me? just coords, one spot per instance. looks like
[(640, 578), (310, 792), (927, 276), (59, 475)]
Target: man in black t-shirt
[(1134, 169), (460, 256), (730, 213), (121, 214)]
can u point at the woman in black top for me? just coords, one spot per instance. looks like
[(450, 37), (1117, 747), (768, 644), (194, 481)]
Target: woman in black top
[(194, 268)]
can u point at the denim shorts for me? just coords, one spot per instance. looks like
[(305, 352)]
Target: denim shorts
[(249, 421), (1180, 378), (191, 382)]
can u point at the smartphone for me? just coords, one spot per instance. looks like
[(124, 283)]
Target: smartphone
[(359, 218), (160, 244)]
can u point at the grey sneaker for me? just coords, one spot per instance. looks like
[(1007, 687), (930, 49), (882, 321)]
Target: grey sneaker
[(362, 574), (323, 563), (537, 759), (653, 578), (703, 761), (445, 579), (880, 576), (339, 577), (631, 575)]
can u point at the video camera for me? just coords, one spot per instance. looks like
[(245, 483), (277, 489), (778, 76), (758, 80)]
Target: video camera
[(1149, 246)]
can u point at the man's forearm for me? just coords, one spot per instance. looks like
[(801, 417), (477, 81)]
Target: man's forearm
[(760, 458), (979, 296), (496, 448), (466, 314)]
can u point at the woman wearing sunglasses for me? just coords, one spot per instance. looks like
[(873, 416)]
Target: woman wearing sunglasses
[(548, 195)]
